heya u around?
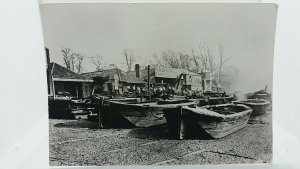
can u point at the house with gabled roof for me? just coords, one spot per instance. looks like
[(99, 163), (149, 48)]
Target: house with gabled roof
[(113, 81), (67, 82), (64, 82), (164, 76)]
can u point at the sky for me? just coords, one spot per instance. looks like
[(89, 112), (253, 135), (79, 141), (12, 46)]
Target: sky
[(245, 31)]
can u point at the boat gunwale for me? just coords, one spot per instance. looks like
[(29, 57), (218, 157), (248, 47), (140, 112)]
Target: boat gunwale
[(214, 98), (265, 102), (144, 105), (124, 99), (206, 112)]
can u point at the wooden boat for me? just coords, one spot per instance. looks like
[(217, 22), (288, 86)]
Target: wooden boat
[(214, 98), (100, 103), (173, 101), (140, 114), (259, 106), (213, 121), (261, 94), (126, 100)]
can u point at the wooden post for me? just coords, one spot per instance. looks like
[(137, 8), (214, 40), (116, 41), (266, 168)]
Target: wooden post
[(149, 82), (93, 91), (181, 124), (53, 88), (100, 125), (48, 71), (50, 82), (77, 93)]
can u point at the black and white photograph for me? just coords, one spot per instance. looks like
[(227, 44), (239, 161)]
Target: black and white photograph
[(159, 83)]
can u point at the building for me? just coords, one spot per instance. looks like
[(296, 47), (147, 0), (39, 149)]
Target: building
[(181, 77), (164, 76), (207, 80), (114, 81), (67, 82), (62, 81)]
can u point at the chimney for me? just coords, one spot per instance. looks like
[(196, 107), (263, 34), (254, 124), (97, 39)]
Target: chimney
[(137, 71)]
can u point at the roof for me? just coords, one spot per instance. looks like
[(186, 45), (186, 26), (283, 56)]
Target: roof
[(104, 73), (189, 72), (101, 73), (61, 73), (167, 72), (130, 77), (144, 75)]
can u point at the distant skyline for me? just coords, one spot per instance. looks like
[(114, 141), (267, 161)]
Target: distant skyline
[(246, 32)]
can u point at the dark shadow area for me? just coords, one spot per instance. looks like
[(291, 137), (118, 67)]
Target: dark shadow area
[(112, 121), (162, 132), (78, 124), (154, 132), (259, 118), (259, 114), (92, 124), (115, 120), (61, 114), (194, 131), (256, 117), (60, 109)]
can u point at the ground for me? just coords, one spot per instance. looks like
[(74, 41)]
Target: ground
[(79, 142)]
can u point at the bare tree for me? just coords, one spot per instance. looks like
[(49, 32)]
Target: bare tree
[(67, 57), (211, 63), (223, 60), (129, 58), (72, 60), (206, 58), (185, 61), (158, 61), (78, 64), (196, 62), (97, 61), (171, 59)]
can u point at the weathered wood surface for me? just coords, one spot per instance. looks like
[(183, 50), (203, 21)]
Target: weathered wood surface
[(120, 114), (214, 100), (259, 106), (201, 122)]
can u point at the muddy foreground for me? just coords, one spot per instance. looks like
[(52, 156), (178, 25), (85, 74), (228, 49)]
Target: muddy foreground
[(79, 142)]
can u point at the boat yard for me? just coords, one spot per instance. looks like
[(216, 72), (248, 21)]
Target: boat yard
[(80, 142), (180, 122)]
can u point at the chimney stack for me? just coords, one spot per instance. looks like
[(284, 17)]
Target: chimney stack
[(137, 71)]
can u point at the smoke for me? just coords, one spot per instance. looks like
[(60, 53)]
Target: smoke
[(239, 95), (242, 82)]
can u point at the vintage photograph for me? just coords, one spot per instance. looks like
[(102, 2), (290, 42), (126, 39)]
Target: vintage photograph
[(159, 84)]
